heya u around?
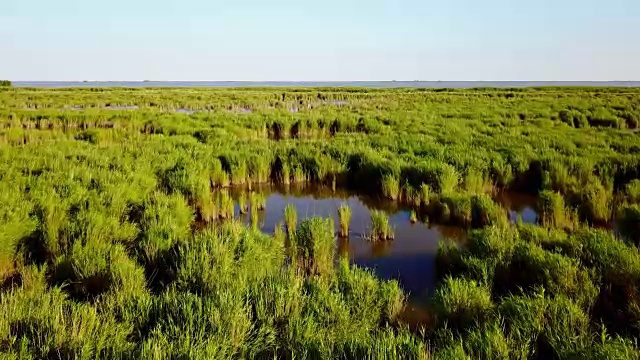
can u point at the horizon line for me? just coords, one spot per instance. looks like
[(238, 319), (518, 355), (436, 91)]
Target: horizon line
[(313, 81)]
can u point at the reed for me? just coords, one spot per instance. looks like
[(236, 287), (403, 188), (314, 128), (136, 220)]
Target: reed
[(290, 219), (425, 195), (381, 230), (344, 217), (390, 187), (255, 214), (242, 203), (226, 205)]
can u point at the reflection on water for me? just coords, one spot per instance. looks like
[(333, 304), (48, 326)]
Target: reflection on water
[(122, 107), (410, 258), (185, 111), (520, 206)]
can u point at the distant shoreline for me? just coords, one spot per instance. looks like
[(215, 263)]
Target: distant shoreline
[(365, 84)]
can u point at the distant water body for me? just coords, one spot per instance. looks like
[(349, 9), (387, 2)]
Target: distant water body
[(367, 84)]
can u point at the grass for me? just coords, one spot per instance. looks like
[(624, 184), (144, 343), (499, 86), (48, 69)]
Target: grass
[(413, 217), (381, 230), (290, 219), (315, 242), (242, 203), (629, 222), (391, 187), (254, 213), (102, 193), (425, 195), (344, 219), (546, 288), (554, 212), (226, 205)]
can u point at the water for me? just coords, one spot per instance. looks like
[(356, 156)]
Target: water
[(519, 206), (185, 111), (410, 258), (369, 84), (122, 107)]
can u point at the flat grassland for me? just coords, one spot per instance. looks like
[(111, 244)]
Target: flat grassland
[(101, 190)]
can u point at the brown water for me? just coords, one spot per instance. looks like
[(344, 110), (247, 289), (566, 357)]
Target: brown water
[(410, 258)]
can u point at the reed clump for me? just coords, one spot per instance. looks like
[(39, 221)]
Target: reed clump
[(344, 218), (381, 229), (290, 219)]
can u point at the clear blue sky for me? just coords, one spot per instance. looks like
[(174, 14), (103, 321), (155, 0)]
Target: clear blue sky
[(320, 40)]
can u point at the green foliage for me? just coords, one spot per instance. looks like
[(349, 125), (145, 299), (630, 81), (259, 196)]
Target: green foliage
[(5, 83), (554, 212), (629, 222), (290, 219), (344, 217), (597, 201), (242, 203), (380, 227), (632, 191), (96, 268), (110, 244), (462, 303), (391, 187), (425, 194), (485, 212), (315, 242)]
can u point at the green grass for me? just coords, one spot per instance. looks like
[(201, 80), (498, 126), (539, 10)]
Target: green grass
[(391, 187), (554, 212), (381, 229), (242, 203), (315, 242), (109, 248), (344, 219), (226, 205), (290, 218)]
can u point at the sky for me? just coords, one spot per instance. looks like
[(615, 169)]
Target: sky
[(327, 40)]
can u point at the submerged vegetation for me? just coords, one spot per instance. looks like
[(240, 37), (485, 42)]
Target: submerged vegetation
[(118, 238)]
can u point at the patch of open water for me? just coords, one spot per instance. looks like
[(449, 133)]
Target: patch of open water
[(410, 258)]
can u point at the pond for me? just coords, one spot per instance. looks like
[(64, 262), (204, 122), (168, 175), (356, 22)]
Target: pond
[(409, 258)]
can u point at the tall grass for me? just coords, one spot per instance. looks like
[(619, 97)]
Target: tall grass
[(315, 242), (391, 187), (103, 194), (632, 191), (242, 203), (226, 205), (254, 213), (381, 229), (344, 219), (425, 195), (290, 219), (629, 222), (554, 212)]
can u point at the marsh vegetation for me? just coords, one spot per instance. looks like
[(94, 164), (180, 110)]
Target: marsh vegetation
[(122, 231)]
